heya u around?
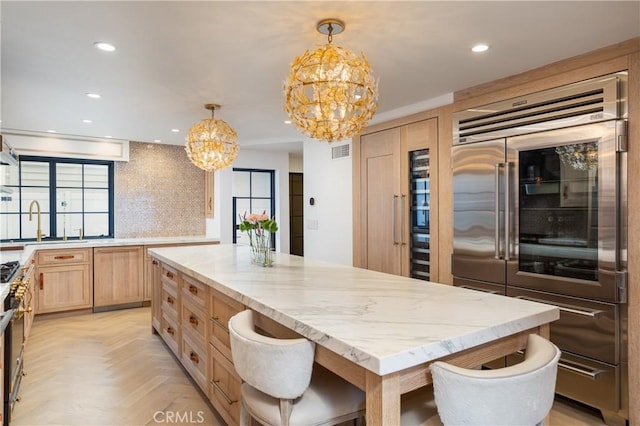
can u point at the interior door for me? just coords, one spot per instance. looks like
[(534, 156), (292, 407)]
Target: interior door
[(566, 215), (478, 211), (380, 200)]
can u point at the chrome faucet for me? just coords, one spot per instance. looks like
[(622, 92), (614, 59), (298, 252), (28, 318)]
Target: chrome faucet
[(38, 213)]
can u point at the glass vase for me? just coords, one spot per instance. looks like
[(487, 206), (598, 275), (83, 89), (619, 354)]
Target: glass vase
[(261, 255)]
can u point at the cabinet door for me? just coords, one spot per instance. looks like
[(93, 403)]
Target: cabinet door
[(63, 288), (380, 199), (118, 275)]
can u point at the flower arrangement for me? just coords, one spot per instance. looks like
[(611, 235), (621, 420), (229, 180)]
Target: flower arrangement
[(259, 228)]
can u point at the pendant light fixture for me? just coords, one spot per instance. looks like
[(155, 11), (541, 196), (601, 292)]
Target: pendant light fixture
[(331, 93), (212, 144)]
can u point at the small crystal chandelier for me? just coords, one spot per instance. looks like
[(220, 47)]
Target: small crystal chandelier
[(212, 144), (331, 93)]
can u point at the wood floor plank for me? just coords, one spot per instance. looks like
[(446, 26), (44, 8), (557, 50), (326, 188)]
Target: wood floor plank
[(109, 369)]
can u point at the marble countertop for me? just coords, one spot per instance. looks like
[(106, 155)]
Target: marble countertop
[(24, 251), (382, 322)]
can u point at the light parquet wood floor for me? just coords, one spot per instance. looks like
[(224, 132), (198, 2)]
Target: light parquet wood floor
[(109, 369)]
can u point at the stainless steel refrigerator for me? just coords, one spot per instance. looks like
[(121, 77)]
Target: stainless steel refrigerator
[(540, 214)]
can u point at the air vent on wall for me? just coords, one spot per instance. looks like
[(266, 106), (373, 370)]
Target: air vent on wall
[(340, 151), (584, 102)]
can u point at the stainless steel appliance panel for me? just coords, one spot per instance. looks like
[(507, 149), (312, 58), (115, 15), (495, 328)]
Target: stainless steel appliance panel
[(566, 216), (480, 286), (585, 327), (478, 235), (585, 380)]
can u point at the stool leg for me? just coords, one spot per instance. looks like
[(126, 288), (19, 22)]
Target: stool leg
[(245, 418), (286, 406)]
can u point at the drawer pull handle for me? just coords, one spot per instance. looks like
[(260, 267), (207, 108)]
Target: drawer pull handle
[(170, 300), (154, 262), (193, 289), (169, 274), (224, 395), (194, 357), (564, 308), (66, 256), (41, 281), (216, 320), (193, 320), (592, 374), (171, 331)]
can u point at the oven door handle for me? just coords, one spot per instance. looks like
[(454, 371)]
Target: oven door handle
[(6, 318)]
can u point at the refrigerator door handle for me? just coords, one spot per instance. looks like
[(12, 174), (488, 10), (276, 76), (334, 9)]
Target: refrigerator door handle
[(394, 219), (402, 218), (507, 211), (496, 182)]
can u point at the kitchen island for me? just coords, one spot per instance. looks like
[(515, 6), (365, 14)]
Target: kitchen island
[(378, 331)]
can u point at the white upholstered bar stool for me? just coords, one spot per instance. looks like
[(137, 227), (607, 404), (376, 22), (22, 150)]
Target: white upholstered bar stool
[(521, 394), (281, 385)]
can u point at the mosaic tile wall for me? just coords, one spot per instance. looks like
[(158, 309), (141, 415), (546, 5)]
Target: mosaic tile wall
[(158, 193)]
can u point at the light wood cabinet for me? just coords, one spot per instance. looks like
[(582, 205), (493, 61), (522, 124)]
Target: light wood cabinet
[(118, 275), (64, 280), (383, 193)]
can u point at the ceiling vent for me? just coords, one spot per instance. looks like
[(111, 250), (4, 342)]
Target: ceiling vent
[(340, 151), (580, 103)]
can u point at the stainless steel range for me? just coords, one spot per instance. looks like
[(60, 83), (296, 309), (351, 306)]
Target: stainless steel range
[(540, 214), (16, 306)]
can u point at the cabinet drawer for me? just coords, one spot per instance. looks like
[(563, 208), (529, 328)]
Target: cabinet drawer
[(222, 309), (225, 385), (194, 320), (170, 334), (170, 275), (169, 300), (194, 359), (58, 257), (195, 292)]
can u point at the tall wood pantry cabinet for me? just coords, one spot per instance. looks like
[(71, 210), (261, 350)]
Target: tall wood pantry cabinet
[(394, 172)]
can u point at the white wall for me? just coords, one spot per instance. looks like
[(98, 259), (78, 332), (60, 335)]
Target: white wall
[(222, 223), (295, 163), (329, 183)]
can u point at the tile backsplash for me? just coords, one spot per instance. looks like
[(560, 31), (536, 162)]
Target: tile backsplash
[(158, 193)]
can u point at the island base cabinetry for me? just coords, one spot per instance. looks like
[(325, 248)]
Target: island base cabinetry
[(192, 319)]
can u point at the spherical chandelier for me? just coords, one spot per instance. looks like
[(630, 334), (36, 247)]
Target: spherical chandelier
[(331, 93), (212, 144)]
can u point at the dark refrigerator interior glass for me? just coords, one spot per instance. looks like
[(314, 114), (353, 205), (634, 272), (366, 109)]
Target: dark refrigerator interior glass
[(420, 200), (558, 211)]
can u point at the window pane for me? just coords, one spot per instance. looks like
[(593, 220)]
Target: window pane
[(96, 176), (68, 224), (243, 206), (260, 184), (10, 203), (9, 226), (39, 194), (34, 173), (261, 206), (68, 175), (8, 176), (96, 200), (96, 224), (241, 186), (69, 200), (29, 227)]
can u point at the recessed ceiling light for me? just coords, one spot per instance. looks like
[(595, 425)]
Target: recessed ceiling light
[(157, 140), (93, 96), (480, 48), (287, 121), (175, 130), (51, 131), (87, 121), (107, 47), (108, 137)]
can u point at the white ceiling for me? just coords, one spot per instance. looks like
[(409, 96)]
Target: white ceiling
[(172, 57)]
